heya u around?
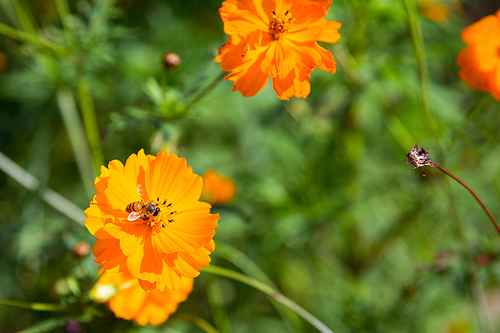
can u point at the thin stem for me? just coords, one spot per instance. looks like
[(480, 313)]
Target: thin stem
[(25, 20), (30, 182), (250, 268), (29, 38), (98, 21), (472, 192), (35, 306), (200, 322), (271, 292), (48, 325), (90, 123), (67, 23), (77, 138), (215, 301), (243, 262), (423, 71), (208, 88)]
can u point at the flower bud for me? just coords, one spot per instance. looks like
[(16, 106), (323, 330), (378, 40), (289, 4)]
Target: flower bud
[(171, 60), (81, 249)]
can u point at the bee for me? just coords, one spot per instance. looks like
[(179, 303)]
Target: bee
[(141, 210)]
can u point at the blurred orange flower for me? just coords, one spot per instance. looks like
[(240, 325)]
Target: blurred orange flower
[(433, 11), (277, 39), (131, 302), (439, 10), (148, 220), (218, 189), (480, 61)]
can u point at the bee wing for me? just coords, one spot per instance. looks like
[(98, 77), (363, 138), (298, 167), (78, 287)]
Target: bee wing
[(134, 216)]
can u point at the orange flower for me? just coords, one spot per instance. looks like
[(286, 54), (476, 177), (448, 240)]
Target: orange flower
[(130, 301), (480, 60), (433, 11), (147, 220), (217, 189), (277, 39), (439, 10)]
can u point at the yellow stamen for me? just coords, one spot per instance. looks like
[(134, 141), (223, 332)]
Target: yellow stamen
[(165, 216), (280, 23)]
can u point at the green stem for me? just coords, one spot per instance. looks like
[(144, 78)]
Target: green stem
[(25, 37), (48, 325), (461, 182), (208, 88), (215, 300), (99, 20), (90, 123), (200, 322), (25, 20), (35, 306), (76, 134), (64, 14), (243, 262), (30, 182), (271, 292), (423, 71)]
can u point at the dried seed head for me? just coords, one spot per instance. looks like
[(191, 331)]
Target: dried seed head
[(418, 157)]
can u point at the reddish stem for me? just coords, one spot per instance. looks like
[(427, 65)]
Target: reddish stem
[(471, 191)]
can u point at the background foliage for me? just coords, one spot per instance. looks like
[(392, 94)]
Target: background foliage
[(326, 206)]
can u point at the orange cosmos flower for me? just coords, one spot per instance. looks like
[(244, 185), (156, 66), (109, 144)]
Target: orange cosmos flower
[(147, 220), (480, 61), (217, 189), (439, 10), (431, 10), (277, 39), (131, 302)]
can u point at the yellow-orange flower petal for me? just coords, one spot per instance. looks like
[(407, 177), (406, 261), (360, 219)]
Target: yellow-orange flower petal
[(276, 39), (131, 302), (479, 62), (218, 189), (148, 220)]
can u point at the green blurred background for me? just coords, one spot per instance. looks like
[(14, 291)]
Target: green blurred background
[(326, 206)]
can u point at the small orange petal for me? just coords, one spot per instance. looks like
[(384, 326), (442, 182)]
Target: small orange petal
[(486, 30), (132, 302), (322, 30), (279, 60)]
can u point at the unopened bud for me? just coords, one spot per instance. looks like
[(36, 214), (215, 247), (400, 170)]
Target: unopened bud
[(81, 249), (171, 60)]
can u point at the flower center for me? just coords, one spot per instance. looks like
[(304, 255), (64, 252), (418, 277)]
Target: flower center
[(280, 23), (154, 213), (165, 215)]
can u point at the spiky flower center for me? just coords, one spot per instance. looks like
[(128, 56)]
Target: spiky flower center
[(165, 216), (280, 23)]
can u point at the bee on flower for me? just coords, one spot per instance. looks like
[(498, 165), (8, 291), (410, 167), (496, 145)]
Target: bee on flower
[(148, 220), (276, 39)]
